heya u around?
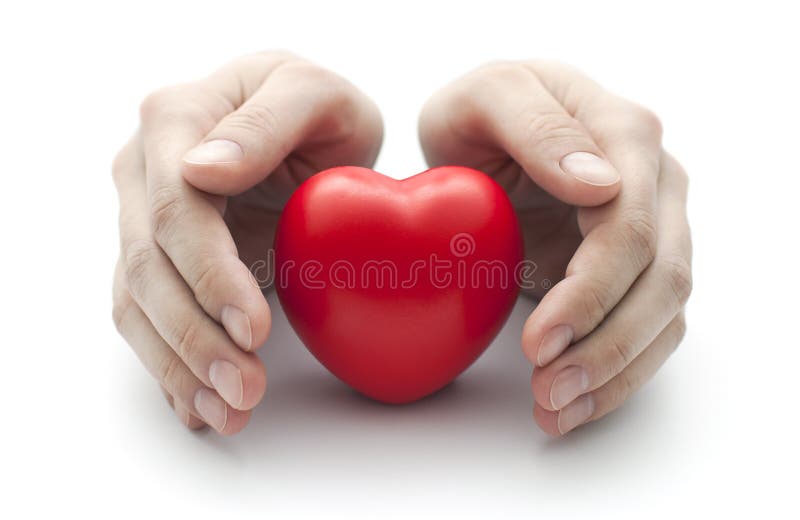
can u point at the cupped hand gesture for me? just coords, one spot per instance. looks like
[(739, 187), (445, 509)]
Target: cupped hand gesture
[(603, 212), (201, 185)]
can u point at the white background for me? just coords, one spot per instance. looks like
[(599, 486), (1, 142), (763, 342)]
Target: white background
[(83, 428)]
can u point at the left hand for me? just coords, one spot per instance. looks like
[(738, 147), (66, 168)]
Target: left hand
[(603, 212)]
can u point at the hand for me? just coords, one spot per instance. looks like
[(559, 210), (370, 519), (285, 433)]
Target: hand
[(603, 212), (200, 187)]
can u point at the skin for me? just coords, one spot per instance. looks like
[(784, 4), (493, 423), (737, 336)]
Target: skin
[(619, 250), (203, 180), (189, 227)]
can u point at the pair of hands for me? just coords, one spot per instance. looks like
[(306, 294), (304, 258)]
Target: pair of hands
[(203, 181)]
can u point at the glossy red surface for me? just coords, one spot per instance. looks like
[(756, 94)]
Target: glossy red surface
[(395, 286)]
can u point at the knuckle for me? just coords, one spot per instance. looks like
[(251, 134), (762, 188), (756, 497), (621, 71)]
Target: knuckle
[(463, 110), (169, 372), (186, 340), (122, 305), (553, 68), (327, 85), (680, 328), (335, 93), (254, 119), (677, 275), (501, 71), (472, 91), (632, 119), (551, 130), (277, 54), (596, 303), (343, 111), (339, 105), (307, 70), (638, 233), (633, 122), (623, 388), (681, 175), (205, 274), (491, 65), (159, 102), (124, 160), (119, 164), (620, 352), (496, 77), (677, 172), (336, 88), (464, 95), (138, 256), (166, 208), (648, 120)]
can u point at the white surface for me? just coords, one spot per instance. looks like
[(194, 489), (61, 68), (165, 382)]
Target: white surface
[(85, 430)]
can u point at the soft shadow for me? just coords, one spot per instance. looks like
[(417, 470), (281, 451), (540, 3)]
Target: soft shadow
[(311, 422)]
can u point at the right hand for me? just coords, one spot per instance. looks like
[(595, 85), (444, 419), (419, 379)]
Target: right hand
[(200, 186)]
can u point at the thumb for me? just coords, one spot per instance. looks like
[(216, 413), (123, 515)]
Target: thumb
[(250, 142), (553, 147)]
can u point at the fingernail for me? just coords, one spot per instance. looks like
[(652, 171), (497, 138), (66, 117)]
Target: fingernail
[(568, 384), (554, 343), (211, 408), (237, 324), (589, 168), (227, 380), (216, 151), (577, 413)]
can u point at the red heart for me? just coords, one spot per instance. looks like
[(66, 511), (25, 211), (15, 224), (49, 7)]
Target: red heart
[(396, 286)]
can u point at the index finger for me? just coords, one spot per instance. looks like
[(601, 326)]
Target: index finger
[(186, 222), (620, 236)]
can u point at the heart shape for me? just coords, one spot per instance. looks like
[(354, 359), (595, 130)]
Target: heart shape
[(397, 286)]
